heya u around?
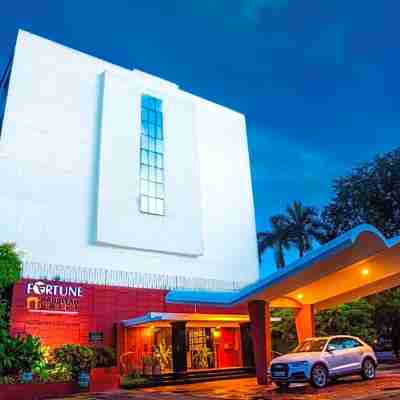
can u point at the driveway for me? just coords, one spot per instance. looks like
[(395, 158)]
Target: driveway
[(385, 386)]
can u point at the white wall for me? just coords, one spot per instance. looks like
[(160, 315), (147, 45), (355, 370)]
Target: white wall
[(52, 145)]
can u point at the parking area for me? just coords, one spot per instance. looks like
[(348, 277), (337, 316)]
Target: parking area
[(385, 386)]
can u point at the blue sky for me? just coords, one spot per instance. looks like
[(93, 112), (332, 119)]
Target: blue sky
[(318, 80)]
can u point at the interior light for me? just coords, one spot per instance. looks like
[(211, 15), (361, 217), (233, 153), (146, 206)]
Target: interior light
[(365, 271), (300, 296), (216, 333)]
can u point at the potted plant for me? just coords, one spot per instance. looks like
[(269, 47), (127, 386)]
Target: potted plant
[(163, 354), (203, 357), (81, 359), (147, 365), (156, 369)]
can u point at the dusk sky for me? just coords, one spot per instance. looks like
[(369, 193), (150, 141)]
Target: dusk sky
[(317, 80)]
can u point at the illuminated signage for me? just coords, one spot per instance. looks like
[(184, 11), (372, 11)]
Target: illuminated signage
[(53, 298)]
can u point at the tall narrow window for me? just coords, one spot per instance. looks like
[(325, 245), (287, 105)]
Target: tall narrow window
[(152, 189)]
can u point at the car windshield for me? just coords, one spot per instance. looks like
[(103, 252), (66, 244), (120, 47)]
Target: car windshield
[(310, 345)]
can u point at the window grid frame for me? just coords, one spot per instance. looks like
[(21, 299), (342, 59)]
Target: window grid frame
[(151, 157)]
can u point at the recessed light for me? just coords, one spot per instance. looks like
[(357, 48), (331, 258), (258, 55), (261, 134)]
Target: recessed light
[(365, 271)]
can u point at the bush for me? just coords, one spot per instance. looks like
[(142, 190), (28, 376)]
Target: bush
[(77, 358), (19, 354), (10, 265), (105, 357)]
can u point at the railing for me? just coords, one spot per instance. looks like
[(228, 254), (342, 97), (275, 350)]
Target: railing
[(100, 276)]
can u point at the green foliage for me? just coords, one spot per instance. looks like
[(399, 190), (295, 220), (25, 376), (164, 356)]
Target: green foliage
[(283, 333), (77, 358), (52, 373), (19, 354), (203, 357), (299, 227), (134, 380), (356, 318), (162, 354), (10, 265), (105, 357), (369, 194)]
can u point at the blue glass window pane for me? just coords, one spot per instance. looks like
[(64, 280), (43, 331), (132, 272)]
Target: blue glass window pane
[(159, 132), (152, 174), (144, 172), (152, 130), (145, 114), (152, 189), (152, 159), (160, 206), (144, 186), (144, 142), (144, 157), (144, 204), (152, 117), (159, 161), (145, 128), (160, 190), (159, 119), (159, 146), (158, 104), (152, 144), (159, 176), (152, 205)]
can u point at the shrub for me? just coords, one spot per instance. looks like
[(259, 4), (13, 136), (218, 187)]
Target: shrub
[(77, 358), (19, 354), (105, 357), (10, 265)]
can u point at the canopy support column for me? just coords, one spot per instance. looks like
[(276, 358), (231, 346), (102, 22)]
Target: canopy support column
[(179, 361), (261, 337), (305, 324)]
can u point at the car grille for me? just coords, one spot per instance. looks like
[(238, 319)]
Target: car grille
[(279, 370)]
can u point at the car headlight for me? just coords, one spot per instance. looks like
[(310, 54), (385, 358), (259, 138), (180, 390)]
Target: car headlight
[(299, 364)]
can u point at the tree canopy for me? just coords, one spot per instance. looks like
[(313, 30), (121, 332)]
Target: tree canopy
[(369, 194)]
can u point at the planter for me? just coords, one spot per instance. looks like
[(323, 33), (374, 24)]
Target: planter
[(104, 379), (156, 370), (83, 380), (147, 370), (26, 377), (36, 391)]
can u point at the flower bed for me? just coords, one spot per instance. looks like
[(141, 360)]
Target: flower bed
[(36, 391)]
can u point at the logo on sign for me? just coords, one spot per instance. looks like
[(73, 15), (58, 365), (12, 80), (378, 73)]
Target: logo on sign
[(41, 288), (51, 298)]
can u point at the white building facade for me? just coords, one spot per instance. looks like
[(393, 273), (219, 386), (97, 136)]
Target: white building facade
[(107, 167)]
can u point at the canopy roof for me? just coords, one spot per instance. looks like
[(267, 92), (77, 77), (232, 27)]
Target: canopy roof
[(356, 264)]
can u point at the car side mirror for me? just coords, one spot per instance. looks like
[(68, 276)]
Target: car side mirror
[(330, 348)]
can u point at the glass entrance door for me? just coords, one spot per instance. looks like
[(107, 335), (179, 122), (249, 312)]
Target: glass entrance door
[(201, 352)]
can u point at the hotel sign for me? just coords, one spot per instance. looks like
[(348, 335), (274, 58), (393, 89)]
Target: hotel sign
[(53, 298)]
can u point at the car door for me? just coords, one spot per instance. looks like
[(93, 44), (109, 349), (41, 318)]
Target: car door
[(354, 354), (335, 356)]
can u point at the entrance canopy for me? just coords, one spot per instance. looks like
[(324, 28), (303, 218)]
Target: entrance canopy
[(358, 263), (152, 318)]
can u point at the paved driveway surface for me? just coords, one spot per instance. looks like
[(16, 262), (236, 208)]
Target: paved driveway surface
[(385, 386)]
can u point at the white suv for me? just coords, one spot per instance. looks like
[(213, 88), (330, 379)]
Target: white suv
[(317, 360)]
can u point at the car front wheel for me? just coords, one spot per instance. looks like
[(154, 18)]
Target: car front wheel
[(368, 369), (319, 376)]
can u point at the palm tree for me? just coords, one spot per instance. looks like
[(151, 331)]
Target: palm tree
[(304, 227), (276, 239)]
